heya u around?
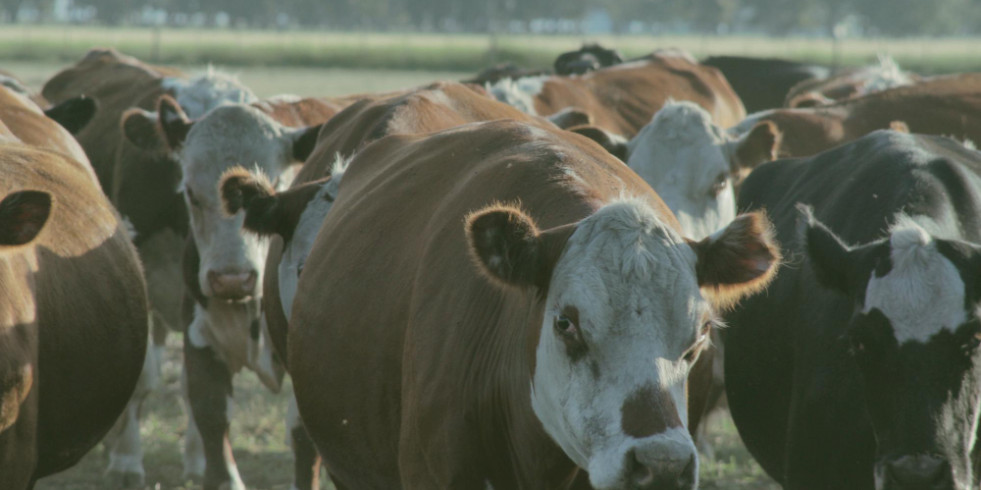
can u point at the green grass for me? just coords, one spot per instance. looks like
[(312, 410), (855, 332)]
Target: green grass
[(456, 52)]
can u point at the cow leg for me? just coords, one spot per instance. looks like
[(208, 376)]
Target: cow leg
[(209, 390), (125, 449), (306, 459), (193, 446)]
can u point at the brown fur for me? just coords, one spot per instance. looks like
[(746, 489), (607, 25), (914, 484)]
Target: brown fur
[(75, 300), (944, 105), (622, 99), (739, 262), (27, 122)]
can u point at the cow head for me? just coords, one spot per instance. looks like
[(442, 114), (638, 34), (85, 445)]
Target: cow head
[(231, 261), (628, 306), (295, 215), (22, 217), (588, 58), (914, 338), (692, 164)]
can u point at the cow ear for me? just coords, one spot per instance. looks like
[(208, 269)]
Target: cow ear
[(304, 140), (173, 122), (829, 256), (140, 129), (759, 146), (738, 260), (73, 114), (509, 249), (613, 143), (570, 117), (22, 217)]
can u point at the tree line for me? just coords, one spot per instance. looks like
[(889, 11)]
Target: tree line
[(776, 17)]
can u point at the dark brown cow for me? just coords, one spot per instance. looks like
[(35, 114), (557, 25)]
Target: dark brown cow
[(943, 105), (439, 339), (622, 99), (73, 313)]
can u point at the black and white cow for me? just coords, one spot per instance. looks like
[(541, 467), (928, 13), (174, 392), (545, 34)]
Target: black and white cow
[(860, 368)]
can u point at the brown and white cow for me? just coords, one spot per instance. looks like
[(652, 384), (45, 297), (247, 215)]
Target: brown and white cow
[(142, 182), (622, 99), (73, 312), (442, 339), (222, 264), (850, 83)]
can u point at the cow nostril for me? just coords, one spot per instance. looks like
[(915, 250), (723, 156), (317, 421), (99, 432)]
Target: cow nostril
[(917, 471), (232, 285), (686, 479), (641, 474)]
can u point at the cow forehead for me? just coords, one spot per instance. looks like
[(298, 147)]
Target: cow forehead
[(922, 294), (623, 263), (230, 136)]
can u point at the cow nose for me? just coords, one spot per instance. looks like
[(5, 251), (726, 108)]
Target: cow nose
[(920, 472), (232, 285), (668, 474)]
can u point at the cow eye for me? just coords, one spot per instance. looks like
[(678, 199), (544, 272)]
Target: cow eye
[(565, 327), (719, 184), (972, 344)]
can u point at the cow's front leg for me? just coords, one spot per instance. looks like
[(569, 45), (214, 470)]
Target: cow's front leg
[(209, 392), (306, 459)]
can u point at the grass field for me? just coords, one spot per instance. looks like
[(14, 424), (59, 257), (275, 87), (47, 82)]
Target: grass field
[(457, 52)]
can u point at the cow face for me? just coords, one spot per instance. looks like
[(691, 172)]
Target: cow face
[(628, 306), (694, 166), (231, 260), (914, 338)]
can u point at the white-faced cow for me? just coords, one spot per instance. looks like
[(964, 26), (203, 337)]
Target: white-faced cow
[(73, 312), (499, 305), (860, 367), (690, 162), (142, 180), (223, 265)]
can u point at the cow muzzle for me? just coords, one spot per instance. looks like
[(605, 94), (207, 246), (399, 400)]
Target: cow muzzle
[(233, 285), (920, 472), (668, 474)]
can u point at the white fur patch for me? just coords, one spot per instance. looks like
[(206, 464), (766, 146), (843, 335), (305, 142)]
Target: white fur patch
[(885, 75), (296, 252), (632, 280), (923, 293), (681, 154), (204, 92), (519, 93)]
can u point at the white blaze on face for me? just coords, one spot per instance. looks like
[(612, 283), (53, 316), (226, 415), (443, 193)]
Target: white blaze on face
[(632, 282), (296, 251), (923, 293), (518, 93), (226, 137), (682, 155)]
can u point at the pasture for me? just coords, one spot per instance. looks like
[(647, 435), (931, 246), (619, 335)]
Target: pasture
[(258, 433)]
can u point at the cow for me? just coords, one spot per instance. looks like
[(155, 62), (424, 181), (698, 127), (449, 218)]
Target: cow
[(73, 313), (497, 304), (860, 367), (49, 129), (291, 219), (763, 83), (222, 266), (943, 105), (141, 181), (884, 75), (622, 99), (589, 57)]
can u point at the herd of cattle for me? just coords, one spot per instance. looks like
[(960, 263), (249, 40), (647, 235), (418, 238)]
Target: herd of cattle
[(510, 282)]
